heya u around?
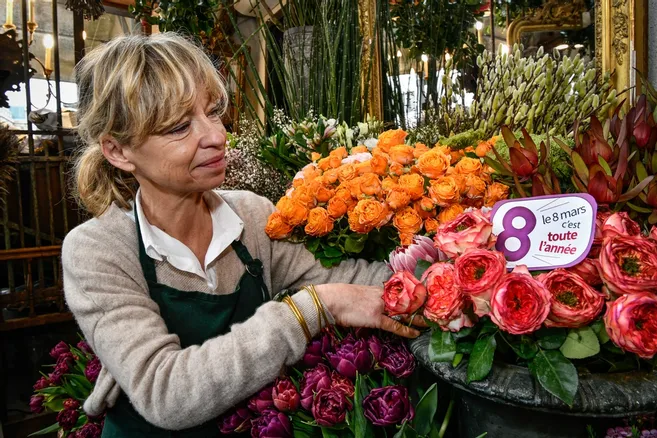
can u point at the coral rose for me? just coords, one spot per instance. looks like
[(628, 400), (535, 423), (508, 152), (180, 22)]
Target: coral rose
[(450, 213), (477, 272), (519, 304), (628, 264), (402, 154), (631, 323), (620, 224), (319, 223), (589, 270), (413, 184), (407, 221), (293, 212), (600, 219), (574, 303), (370, 184), (431, 225), (367, 215), (468, 166), (379, 165), (469, 230), (330, 176), (388, 184), (444, 191), (403, 294), (340, 152), (277, 228), (398, 198), (323, 193), (310, 172), (390, 138), (495, 192), (446, 302), (433, 163)]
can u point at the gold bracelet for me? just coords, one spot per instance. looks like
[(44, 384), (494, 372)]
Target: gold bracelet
[(300, 318), (318, 305)]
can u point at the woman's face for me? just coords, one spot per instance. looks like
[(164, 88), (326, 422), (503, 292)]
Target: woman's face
[(188, 157)]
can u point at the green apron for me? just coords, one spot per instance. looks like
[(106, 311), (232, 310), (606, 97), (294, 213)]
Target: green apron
[(195, 317)]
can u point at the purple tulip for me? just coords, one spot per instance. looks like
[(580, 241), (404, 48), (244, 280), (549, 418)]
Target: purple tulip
[(55, 377), (71, 403), (392, 355), (312, 381), (59, 349), (405, 258), (36, 403), (236, 420), (67, 418), (93, 369), (43, 382), (89, 430), (351, 356), (84, 347), (262, 401), (338, 381), (388, 405), (285, 395), (64, 362), (317, 349), (271, 424), (330, 406)]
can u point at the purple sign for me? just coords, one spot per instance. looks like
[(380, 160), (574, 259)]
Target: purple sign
[(545, 232)]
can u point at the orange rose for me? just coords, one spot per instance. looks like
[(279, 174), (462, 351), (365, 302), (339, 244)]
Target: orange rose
[(460, 181), (339, 153), (319, 222), (402, 154), (344, 193), (469, 166), (379, 164), (407, 220), (330, 176), (448, 214), (406, 238), (364, 167), (347, 172), (413, 184), (354, 187), (310, 173), (305, 195), (475, 187), (443, 149), (276, 227), (292, 212), (433, 164), (456, 156), (396, 168), (444, 191), (367, 215), (425, 207), (314, 156), (337, 207), (483, 149), (370, 184), (388, 184), (322, 192), (420, 148), (359, 149), (334, 161), (398, 198), (494, 193), (298, 182), (391, 138), (430, 225), (324, 164)]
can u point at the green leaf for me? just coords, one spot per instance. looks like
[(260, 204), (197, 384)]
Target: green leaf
[(464, 347), (422, 265), (405, 432), (50, 429), (442, 347), (328, 433), (361, 427), (613, 348), (471, 155), (524, 346), (331, 252), (481, 358), (641, 171), (639, 209), (497, 166), (355, 243), (580, 343), (605, 165), (488, 327), (465, 331), (312, 245), (556, 374), (54, 404), (551, 338), (458, 358), (580, 167), (330, 262), (600, 330), (53, 390), (426, 410)]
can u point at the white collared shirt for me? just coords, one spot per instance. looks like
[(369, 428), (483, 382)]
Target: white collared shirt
[(226, 227)]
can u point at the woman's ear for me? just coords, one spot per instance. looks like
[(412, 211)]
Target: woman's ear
[(115, 153)]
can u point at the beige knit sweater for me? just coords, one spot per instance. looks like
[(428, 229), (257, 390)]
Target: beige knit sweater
[(177, 388)]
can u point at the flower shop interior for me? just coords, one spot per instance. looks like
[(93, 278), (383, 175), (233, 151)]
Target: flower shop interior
[(499, 155)]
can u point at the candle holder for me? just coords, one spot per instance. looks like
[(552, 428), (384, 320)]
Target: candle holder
[(9, 26)]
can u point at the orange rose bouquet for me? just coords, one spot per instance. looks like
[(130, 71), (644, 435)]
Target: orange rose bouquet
[(364, 203)]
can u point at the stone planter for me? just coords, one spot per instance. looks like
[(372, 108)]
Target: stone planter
[(511, 404)]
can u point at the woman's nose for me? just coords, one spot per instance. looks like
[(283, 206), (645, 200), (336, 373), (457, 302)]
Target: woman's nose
[(213, 133)]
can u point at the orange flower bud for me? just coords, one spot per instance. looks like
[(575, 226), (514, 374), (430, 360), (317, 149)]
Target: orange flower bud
[(425, 207), (395, 168), (413, 184), (319, 222), (276, 227), (407, 220), (330, 176), (420, 148), (337, 207), (431, 225), (444, 191), (292, 212), (398, 198), (406, 238), (494, 193), (379, 164)]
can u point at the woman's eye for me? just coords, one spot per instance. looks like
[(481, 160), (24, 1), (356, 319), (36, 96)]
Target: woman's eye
[(179, 129), (215, 113)]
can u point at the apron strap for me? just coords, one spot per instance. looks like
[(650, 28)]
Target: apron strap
[(147, 263), (253, 266)]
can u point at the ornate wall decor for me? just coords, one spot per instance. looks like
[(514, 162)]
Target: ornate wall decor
[(554, 15), (11, 65), (371, 77)]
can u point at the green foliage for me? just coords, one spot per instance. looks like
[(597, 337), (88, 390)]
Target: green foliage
[(190, 17)]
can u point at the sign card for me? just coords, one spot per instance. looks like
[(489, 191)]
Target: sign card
[(545, 232)]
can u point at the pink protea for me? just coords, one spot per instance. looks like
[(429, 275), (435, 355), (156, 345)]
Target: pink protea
[(406, 258)]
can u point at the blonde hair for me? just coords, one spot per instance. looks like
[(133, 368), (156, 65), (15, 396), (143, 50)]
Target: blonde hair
[(130, 88)]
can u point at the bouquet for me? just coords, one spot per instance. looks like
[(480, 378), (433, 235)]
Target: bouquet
[(365, 203), (344, 386), (598, 315), (65, 389)]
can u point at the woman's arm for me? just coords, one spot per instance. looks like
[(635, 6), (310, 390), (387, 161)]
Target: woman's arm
[(171, 387)]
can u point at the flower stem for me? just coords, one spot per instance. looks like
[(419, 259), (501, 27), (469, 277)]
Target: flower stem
[(448, 415)]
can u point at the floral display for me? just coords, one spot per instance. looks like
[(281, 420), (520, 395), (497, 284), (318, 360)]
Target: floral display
[(65, 389), (363, 203)]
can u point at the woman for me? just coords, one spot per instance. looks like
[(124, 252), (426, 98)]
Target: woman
[(172, 284)]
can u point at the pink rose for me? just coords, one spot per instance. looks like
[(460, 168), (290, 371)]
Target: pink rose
[(628, 264), (519, 304), (469, 230), (631, 323), (653, 233), (589, 270), (600, 219), (403, 294), (446, 302), (574, 302), (620, 224), (477, 273)]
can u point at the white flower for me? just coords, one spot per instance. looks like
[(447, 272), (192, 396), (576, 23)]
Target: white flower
[(371, 143), (363, 128), (357, 158)]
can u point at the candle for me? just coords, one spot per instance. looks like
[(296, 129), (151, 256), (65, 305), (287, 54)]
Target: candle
[(48, 43), (31, 18), (480, 32), (10, 13)]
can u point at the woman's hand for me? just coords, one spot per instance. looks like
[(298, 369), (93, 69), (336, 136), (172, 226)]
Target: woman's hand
[(360, 306)]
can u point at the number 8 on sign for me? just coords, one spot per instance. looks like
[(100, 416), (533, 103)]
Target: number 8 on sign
[(522, 233)]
